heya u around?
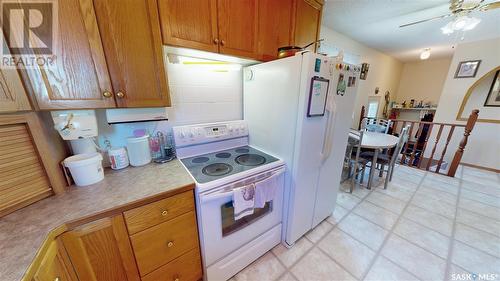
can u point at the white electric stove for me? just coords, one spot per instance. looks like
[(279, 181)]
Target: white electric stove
[(219, 159)]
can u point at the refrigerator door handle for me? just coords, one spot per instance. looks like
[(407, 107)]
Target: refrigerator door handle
[(327, 145)]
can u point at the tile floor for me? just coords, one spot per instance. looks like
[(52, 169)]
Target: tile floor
[(423, 227)]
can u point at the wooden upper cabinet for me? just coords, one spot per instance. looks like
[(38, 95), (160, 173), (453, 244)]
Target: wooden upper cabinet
[(238, 23), (131, 36), (190, 24), (307, 23), (274, 27), (78, 78), (55, 265), (101, 251), (12, 93)]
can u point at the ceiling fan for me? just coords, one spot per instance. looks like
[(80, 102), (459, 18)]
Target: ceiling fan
[(460, 9)]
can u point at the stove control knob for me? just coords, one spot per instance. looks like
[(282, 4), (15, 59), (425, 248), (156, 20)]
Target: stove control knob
[(182, 134), (230, 129)]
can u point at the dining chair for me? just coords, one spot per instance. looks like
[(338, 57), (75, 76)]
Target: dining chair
[(357, 164), (386, 160), (376, 125)]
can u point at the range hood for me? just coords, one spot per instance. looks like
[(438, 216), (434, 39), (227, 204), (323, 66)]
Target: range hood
[(130, 115)]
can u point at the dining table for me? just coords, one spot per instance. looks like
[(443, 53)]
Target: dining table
[(377, 142)]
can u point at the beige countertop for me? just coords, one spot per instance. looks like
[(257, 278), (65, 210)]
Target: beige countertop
[(23, 232)]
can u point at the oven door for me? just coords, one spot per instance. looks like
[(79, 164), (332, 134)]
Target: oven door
[(221, 234)]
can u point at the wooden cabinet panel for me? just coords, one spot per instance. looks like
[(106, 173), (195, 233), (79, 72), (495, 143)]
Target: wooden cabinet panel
[(24, 179), (307, 23), (55, 265), (186, 267), (274, 27), (155, 213), (12, 93), (238, 27), (79, 76), (160, 244), (190, 24), (130, 32), (101, 251)]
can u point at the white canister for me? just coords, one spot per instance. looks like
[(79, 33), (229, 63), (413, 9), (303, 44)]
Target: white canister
[(85, 168), (118, 158), (138, 151)]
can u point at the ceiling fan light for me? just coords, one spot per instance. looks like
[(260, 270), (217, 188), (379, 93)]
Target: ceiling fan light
[(460, 23), (448, 28), (471, 24), (425, 54)]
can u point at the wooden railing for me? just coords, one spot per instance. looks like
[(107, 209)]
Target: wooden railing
[(413, 153)]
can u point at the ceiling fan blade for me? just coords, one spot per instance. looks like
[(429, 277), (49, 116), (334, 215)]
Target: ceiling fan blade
[(455, 5), (421, 21), (490, 6)]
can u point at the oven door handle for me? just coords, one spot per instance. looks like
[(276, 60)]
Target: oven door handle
[(217, 195)]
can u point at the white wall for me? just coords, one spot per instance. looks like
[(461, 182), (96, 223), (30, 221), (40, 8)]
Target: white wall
[(199, 94), (423, 80), (484, 142), (384, 72)]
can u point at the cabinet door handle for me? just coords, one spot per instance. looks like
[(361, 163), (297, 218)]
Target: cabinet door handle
[(176, 279), (216, 41), (164, 213), (107, 94), (56, 279), (120, 94), (170, 244), (222, 42)]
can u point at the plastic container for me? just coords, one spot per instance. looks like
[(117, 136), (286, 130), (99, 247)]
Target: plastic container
[(118, 158), (86, 169), (138, 151)]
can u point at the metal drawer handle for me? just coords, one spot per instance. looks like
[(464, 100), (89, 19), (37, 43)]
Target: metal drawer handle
[(170, 244), (176, 279), (164, 213), (56, 279)]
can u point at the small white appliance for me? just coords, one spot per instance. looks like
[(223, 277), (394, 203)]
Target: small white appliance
[(300, 109), (220, 160), (79, 127), (139, 153)]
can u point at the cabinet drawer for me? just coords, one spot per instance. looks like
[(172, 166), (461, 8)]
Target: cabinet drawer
[(162, 243), (184, 268), (155, 213)]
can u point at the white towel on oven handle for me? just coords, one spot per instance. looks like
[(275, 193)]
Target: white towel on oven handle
[(243, 201), (265, 190)]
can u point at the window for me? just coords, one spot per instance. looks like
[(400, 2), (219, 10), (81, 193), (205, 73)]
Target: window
[(372, 107)]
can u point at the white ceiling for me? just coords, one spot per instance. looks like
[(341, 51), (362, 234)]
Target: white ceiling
[(375, 23)]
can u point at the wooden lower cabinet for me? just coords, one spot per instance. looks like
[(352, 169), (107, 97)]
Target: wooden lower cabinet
[(101, 251), (163, 243), (106, 250), (55, 265), (186, 267)]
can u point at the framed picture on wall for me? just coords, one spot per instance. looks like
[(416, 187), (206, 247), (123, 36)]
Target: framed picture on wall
[(467, 69), (493, 98)]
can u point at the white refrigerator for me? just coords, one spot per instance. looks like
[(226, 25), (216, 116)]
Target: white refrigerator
[(300, 109)]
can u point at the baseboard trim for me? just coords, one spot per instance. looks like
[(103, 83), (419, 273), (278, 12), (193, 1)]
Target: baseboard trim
[(480, 167)]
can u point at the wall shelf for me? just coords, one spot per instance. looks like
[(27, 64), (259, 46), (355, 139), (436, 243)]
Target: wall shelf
[(416, 108)]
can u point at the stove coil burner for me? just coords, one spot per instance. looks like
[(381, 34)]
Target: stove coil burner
[(223, 155), (199, 160), (217, 169), (250, 160), (242, 150)]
